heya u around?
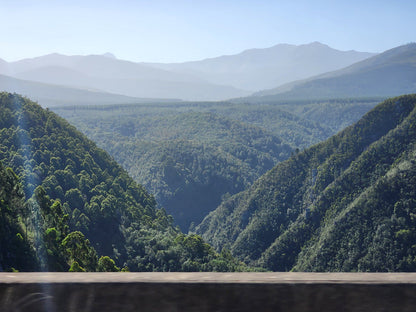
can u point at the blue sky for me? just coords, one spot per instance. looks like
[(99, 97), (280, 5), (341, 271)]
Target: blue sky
[(181, 30)]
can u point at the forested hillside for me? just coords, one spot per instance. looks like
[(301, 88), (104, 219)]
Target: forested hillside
[(15, 250), (193, 155), (189, 160), (301, 123), (346, 204), (69, 201)]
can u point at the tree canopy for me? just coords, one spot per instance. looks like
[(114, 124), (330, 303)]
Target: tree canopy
[(69, 202)]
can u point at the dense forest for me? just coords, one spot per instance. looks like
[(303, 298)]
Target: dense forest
[(67, 205), (346, 204), (193, 155), (15, 249), (189, 160)]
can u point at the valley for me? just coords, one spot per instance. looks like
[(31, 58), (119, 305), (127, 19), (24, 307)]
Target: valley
[(314, 175), (192, 155)]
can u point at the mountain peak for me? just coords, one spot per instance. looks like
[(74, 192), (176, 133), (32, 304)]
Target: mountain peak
[(390, 73), (109, 55), (317, 44)]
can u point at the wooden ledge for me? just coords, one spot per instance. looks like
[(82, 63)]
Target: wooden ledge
[(204, 278)]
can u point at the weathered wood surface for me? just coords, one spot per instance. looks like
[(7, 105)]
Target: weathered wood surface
[(239, 278), (295, 292)]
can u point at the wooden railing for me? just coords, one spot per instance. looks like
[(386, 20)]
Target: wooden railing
[(91, 292)]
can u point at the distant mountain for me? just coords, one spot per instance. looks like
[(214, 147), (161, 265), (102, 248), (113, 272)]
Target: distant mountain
[(108, 74), (4, 66), (49, 95), (258, 69), (346, 204), (390, 73), (110, 55), (218, 78)]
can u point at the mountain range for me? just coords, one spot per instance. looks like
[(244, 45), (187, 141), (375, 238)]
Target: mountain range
[(390, 73), (211, 79), (282, 72), (104, 73), (345, 204), (258, 69)]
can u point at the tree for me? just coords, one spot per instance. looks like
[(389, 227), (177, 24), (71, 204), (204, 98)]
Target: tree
[(106, 264), (78, 249)]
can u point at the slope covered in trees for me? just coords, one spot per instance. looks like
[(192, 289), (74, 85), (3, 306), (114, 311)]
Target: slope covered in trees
[(69, 201), (189, 160), (14, 248), (301, 123), (346, 204), (191, 155)]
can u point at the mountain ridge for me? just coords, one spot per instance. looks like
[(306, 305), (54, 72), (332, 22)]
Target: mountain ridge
[(219, 78), (282, 221), (380, 75), (49, 95), (117, 76), (283, 61)]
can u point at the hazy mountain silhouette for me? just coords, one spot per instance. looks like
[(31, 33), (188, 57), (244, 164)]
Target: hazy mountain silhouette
[(108, 74), (53, 95), (257, 69), (217, 78), (4, 66), (390, 73)]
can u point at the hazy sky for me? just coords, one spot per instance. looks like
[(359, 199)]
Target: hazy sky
[(180, 30)]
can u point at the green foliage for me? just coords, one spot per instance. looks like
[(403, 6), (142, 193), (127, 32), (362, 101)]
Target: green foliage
[(172, 251), (106, 264), (191, 155), (189, 160), (75, 267), (78, 250), (346, 204), (70, 204), (94, 191), (301, 123), (69, 201), (15, 249)]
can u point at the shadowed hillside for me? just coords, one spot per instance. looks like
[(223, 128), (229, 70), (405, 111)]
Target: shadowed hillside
[(345, 204), (69, 203)]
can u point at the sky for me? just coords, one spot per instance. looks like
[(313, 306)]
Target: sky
[(185, 30)]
